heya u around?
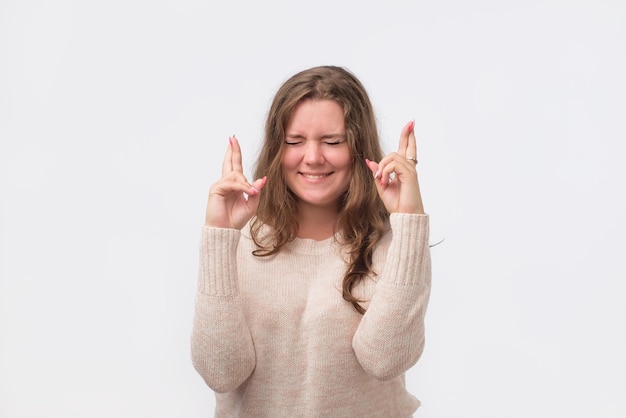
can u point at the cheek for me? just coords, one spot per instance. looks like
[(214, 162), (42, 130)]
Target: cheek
[(343, 160), (288, 159), (344, 166)]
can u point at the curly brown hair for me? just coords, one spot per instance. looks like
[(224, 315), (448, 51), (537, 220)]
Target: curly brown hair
[(362, 218)]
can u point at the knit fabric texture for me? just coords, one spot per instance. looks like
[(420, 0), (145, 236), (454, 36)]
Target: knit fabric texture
[(273, 336)]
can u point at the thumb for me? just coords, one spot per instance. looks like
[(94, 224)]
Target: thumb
[(257, 186), (373, 166)]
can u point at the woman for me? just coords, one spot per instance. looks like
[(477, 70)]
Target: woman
[(314, 278)]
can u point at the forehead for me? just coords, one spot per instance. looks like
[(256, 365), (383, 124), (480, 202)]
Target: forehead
[(311, 114)]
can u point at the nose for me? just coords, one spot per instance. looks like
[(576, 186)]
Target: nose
[(313, 153)]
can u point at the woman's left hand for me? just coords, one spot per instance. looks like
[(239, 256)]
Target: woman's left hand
[(396, 175)]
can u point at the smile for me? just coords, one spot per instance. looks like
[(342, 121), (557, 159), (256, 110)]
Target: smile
[(315, 176)]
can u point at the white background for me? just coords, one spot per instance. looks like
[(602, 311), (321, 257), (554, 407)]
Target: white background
[(114, 116)]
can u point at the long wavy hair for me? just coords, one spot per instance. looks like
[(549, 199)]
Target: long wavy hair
[(362, 218)]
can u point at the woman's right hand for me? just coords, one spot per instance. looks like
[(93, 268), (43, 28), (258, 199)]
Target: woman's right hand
[(227, 206)]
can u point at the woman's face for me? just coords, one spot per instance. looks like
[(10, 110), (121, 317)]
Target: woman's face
[(316, 160)]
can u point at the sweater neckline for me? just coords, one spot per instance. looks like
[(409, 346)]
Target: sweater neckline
[(312, 246)]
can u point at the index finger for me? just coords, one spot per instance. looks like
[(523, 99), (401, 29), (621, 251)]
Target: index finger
[(411, 149), (236, 155), (405, 140), (227, 165)]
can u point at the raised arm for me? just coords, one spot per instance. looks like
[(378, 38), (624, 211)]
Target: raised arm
[(221, 346), (390, 337)]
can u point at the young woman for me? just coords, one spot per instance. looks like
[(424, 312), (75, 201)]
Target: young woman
[(315, 277)]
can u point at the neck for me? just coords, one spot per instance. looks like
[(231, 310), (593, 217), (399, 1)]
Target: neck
[(316, 222)]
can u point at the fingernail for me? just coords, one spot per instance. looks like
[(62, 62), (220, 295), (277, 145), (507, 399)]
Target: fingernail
[(377, 174), (254, 190)]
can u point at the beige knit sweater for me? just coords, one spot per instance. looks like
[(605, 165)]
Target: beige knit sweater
[(273, 337)]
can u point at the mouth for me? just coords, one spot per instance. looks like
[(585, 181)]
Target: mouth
[(312, 176)]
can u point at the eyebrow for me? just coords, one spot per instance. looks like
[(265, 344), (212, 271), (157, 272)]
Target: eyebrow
[(326, 136)]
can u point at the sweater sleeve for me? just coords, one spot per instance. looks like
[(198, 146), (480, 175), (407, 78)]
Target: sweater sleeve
[(390, 337), (221, 345)]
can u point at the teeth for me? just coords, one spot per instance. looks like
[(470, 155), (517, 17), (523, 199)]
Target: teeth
[(311, 176)]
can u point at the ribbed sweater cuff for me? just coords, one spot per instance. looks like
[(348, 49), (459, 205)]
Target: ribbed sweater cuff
[(408, 253), (218, 261)]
